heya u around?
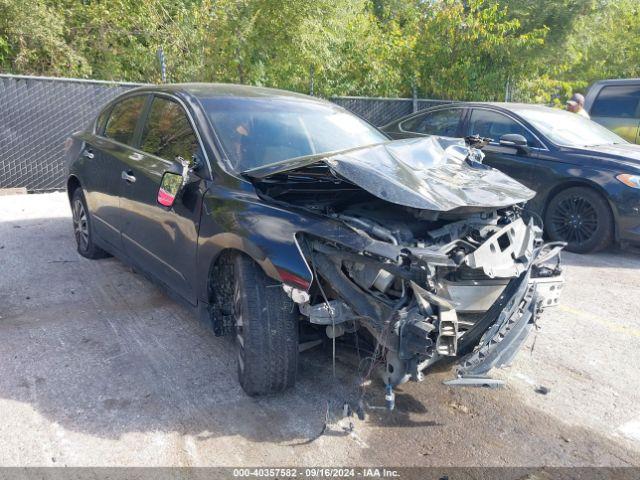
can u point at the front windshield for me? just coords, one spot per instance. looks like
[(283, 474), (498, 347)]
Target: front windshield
[(259, 131), (568, 129)]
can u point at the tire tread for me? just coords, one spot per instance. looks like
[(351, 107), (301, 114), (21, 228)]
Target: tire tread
[(93, 252), (270, 331)]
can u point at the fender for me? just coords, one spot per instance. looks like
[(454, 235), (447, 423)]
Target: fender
[(266, 232)]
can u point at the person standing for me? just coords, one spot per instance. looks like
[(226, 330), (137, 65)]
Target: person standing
[(576, 105)]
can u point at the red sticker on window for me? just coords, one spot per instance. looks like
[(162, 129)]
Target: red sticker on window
[(165, 198)]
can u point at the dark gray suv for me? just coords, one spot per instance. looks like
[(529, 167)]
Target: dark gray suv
[(616, 105)]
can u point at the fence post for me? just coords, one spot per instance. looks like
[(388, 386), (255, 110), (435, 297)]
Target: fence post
[(163, 65), (507, 90), (414, 96)]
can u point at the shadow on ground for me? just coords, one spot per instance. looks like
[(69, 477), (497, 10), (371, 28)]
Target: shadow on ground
[(97, 349), (610, 258)]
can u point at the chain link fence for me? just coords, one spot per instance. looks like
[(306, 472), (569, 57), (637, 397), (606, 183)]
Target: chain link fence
[(37, 114), (380, 111)]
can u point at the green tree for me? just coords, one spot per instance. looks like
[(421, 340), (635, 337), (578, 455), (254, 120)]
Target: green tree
[(454, 49), (120, 38), (470, 50), (32, 41), (606, 43), (292, 43), (602, 40)]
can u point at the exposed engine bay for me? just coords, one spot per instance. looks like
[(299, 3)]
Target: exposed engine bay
[(450, 263)]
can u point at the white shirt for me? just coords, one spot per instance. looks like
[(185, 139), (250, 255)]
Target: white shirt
[(583, 113)]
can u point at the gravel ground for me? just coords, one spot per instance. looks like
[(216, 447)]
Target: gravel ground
[(99, 367)]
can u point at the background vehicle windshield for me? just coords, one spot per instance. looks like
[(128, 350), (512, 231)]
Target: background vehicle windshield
[(259, 131), (568, 129)]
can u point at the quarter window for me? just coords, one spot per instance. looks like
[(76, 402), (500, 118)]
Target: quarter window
[(494, 125), (443, 123), (168, 133), (122, 121), (619, 101)]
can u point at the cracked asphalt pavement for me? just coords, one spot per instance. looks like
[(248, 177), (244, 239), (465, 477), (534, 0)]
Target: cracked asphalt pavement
[(98, 367)]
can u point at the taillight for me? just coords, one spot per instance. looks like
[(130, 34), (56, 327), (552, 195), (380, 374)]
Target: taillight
[(291, 279)]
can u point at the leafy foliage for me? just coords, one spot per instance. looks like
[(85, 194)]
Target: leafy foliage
[(538, 50)]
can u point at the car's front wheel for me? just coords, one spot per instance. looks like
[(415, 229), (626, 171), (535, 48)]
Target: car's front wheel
[(266, 325), (82, 227), (581, 217)]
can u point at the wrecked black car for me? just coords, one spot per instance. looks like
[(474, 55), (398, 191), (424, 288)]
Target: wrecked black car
[(267, 211)]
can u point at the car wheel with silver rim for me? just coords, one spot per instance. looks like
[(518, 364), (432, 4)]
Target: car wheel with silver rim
[(82, 227)]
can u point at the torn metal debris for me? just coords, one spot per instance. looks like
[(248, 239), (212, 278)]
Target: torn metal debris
[(434, 256)]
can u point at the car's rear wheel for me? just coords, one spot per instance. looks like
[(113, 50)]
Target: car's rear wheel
[(266, 324), (580, 217), (82, 227)]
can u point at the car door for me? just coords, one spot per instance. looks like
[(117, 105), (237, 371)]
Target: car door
[(444, 122), (494, 124), (108, 153), (617, 107), (162, 240)]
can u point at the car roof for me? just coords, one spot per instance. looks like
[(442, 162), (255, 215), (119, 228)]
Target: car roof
[(512, 106), (617, 81), (504, 106), (218, 90)]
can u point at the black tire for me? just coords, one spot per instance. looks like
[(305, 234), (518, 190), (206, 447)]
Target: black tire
[(581, 217), (82, 228), (266, 325)]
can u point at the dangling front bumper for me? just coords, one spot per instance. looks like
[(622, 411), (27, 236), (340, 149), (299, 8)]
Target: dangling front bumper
[(507, 325)]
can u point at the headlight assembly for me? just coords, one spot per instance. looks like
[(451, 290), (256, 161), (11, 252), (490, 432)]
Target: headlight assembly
[(632, 181)]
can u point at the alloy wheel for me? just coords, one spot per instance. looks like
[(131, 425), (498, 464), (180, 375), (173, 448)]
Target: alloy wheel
[(239, 327), (575, 219), (80, 225)]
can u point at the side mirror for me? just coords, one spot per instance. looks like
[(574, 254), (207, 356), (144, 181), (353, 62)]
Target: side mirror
[(175, 178), (170, 186), (515, 140)]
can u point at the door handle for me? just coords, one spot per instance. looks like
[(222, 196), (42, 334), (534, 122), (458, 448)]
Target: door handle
[(88, 154), (127, 177)]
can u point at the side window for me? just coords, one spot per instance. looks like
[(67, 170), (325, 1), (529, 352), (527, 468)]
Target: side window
[(487, 123), (122, 121), (619, 101), (168, 133), (441, 122)]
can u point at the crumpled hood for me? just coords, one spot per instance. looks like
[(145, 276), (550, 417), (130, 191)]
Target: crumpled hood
[(424, 173)]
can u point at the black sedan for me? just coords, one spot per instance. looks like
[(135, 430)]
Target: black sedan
[(271, 213), (587, 178)]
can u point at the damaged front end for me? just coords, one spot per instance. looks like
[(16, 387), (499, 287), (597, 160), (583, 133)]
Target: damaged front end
[(474, 295), (444, 263)]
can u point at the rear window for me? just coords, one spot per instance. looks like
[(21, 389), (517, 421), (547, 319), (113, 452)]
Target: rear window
[(122, 121), (617, 101), (441, 122)]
